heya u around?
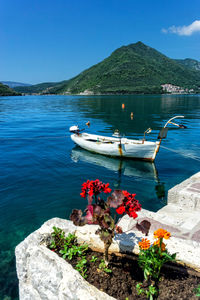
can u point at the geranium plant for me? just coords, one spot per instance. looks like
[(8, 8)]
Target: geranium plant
[(98, 210)]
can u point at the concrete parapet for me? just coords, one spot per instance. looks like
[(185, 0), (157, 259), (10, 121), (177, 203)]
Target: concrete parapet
[(187, 193)]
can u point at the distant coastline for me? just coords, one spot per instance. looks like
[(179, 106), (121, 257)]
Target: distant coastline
[(5, 90), (167, 89), (133, 69)]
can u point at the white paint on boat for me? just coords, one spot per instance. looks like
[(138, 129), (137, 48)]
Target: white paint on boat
[(119, 147)]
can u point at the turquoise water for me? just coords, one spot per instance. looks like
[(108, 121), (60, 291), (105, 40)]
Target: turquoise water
[(41, 170)]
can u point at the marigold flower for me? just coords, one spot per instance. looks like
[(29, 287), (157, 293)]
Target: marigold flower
[(157, 243), (161, 233), (167, 235), (144, 244)]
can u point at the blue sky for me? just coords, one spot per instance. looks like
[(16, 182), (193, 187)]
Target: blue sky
[(46, 40)]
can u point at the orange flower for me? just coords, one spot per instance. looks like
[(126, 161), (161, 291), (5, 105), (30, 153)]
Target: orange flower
[(144, 244), (161, 233), (167, 235), (157, 243)]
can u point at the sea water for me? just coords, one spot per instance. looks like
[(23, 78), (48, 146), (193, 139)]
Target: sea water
[(41, 170)]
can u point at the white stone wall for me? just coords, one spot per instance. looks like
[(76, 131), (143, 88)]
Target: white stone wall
[(43, 275), (187, 193)]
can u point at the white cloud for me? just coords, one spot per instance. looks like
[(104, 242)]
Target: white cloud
[(184, 30)]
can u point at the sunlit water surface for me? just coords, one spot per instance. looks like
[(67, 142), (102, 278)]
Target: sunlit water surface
[(41, 170)]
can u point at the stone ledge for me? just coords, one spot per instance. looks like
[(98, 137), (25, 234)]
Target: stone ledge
[(43, 274), (187, 193)]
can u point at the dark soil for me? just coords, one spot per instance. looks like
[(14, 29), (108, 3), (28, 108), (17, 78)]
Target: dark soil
[(121, 283)]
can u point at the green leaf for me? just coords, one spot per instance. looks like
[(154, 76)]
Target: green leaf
[(93, 259)]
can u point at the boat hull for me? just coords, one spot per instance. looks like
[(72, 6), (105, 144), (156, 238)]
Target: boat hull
[(136, 149)]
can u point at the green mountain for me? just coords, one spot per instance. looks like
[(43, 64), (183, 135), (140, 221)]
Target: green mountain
[(135, 68), (36, 88), (6, 91), (189, 63)]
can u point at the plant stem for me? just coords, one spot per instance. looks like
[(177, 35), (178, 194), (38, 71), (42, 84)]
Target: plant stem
[(106, 247)]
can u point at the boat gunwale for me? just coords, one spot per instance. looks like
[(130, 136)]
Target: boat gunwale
[(94, 138)]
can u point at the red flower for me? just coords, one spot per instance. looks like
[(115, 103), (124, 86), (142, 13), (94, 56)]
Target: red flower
[(132, 214), (130, 204), (84, 188), (91, 192), (106, 188), (83, 194), (120, 210), (126, 194), (94, 188)]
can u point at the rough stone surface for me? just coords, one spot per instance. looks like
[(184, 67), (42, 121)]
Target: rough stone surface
[(187, 193), (43, 275)]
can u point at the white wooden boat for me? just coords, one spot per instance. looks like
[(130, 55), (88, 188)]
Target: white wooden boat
[(118, 146)]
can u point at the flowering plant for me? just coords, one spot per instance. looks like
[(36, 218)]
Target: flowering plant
[(152, 257), (98, 210)]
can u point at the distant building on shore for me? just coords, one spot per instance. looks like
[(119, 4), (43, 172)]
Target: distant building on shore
[(175, 89)]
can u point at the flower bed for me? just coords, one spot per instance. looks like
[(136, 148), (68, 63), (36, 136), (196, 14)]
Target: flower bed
[(120, 278), (44, 274)]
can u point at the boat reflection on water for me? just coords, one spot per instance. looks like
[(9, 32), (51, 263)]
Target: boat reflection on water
[(126, 167)]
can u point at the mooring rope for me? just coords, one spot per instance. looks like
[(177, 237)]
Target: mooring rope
[(180, 153)]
